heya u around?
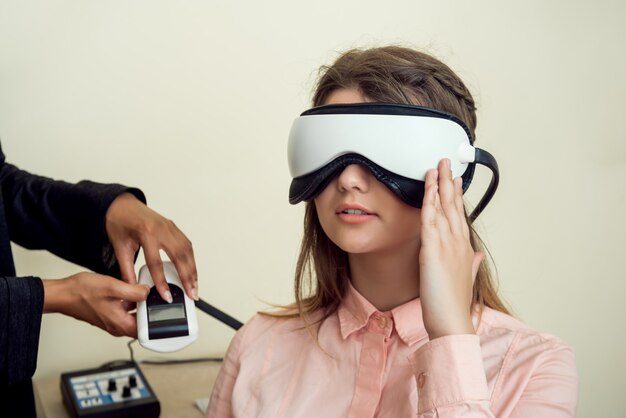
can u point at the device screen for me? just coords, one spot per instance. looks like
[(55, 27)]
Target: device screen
[(166, 312)]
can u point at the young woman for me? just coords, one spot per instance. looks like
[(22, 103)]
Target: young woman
[(395, 313)]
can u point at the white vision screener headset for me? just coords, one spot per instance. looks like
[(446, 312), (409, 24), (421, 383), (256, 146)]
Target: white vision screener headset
[(397, 143)]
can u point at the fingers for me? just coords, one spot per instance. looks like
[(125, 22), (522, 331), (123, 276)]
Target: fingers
[(430, 205), (448, 264), (155, 266), (448, 194), (442, 207), (128, 305), (102, 301), (128, 292), (188, 276), (458, 191), (122, 324), (180, 251), (130, 224), (130, 329), (122, 298), (125, 256)]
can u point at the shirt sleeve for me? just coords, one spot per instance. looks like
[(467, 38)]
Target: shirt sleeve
[(21, 305), (64, 218), (451, 379), (538, 378), (220, 404)]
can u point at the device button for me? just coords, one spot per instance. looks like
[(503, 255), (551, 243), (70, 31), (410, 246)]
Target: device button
[(112, 387), (126, 392), (132, 381)]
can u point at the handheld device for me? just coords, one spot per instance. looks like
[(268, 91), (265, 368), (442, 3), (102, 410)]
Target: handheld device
[(115, 391), (163, 326)]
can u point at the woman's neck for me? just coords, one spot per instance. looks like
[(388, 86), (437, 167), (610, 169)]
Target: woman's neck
[(387, 279)]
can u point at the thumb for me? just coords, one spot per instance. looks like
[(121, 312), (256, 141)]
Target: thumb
[(479, 257), (129, 292)]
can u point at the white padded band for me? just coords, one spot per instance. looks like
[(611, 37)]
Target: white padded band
[(405, 145)]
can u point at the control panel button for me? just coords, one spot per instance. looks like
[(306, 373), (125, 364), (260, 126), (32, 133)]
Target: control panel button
[(112, 387)]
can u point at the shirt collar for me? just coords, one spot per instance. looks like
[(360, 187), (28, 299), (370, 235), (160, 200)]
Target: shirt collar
[(355, 311)]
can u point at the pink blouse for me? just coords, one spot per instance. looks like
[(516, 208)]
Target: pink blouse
[(381, 364)]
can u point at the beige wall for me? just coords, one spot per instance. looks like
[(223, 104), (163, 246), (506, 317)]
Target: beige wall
[(192, 101)]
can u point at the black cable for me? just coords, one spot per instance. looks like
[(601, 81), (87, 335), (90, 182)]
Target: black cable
[(217, 314), (116, 363), (132, 354), (482, 157), (160, 362), (179, 361)]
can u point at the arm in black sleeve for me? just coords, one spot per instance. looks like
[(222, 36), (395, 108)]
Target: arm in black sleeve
[(66, 219), (63, 218), (21, 305)]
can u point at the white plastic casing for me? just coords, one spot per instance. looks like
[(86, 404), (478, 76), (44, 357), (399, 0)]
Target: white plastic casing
[(405, 145), (165, 345)]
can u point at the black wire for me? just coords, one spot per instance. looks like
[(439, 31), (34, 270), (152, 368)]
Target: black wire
[(482, 157), (132, 354), (159, 362), (217, 314), (179, 361), (115, 363)]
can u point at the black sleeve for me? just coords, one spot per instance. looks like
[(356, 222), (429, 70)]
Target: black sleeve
[(63, 218), (21, 305)]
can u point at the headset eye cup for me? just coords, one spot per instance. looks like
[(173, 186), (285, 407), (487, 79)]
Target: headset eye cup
[(397, 143)]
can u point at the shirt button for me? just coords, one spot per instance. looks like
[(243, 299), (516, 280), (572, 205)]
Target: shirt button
[(382, 322)]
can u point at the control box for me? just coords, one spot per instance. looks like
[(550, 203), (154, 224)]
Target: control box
[(118, 390)]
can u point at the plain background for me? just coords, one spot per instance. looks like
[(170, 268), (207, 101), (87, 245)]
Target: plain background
[(192, 101)]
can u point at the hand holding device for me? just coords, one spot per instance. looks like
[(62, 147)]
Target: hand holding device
[(163, 326), (95, 298), (130, 224), (448, 263)]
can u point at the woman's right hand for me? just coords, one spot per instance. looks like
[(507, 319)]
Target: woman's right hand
[(448, 263), (100, 300)]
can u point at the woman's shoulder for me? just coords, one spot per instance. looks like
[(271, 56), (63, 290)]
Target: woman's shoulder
[(276, 322), (263, 321)]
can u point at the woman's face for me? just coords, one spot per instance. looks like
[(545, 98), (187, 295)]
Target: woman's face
[(359, 213)]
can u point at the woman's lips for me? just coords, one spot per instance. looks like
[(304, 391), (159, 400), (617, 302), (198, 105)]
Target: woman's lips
[(354, 213)]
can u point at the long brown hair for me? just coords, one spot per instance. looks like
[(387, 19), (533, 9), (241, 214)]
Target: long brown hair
[(389, 74)]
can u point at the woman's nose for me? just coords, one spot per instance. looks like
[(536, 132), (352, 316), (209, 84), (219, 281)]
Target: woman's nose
[(354, 177)]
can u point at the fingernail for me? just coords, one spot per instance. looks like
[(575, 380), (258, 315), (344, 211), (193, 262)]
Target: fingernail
[(168, 296), (194, 292), (446, 162)]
